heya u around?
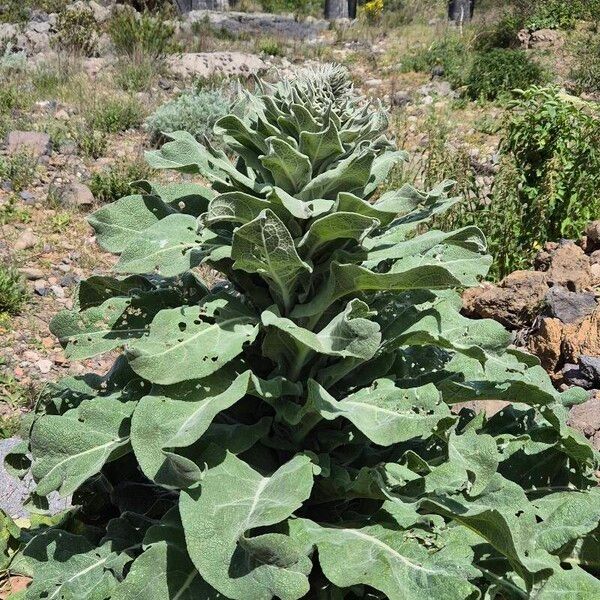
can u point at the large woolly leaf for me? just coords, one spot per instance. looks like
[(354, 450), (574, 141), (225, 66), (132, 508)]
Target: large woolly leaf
[(384, 413), (217, 516), (265, 246), (193, 342)]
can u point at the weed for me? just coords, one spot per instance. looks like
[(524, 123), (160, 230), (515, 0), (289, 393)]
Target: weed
[(60, 222), (585, 71), (111, 115), (137, 75), (11, 212), (76, 31), (270, 47), (90, 142), (13, 293), (140, 34), (113, 183), (499, 71), (20, 169)]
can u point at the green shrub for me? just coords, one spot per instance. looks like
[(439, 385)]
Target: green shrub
[(451, 53), (19, 169), (502, 33), (140, 35), (13, 293), (112, 183), (585, 69), (499, 71), (111, 115), (270, 47), (558, 14), (195, 111), (138, 75), (91, 143), (546, 188), (76, 31), (288, 433)]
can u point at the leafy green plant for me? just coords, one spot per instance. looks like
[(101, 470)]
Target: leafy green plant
[(500, 71), (585, 69), (140, 35), (90, 142), (114, 114), (500, 33), (451, 54), (195, 111), (76, 31), (288, 433), (560, 14), (19, 169), (13, 293), (270, 47), (112, 183)]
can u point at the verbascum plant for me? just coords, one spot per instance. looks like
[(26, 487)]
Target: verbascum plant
[(295, 430)]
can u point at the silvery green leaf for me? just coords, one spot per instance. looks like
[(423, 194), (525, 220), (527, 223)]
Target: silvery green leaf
[(177, 416), (477, 455), (387, 560), (231, 500), (164, 570), (290, 169), (181, 345), (94, 290), (65, 566), (265, 246), (68, 449), (322, 147), (335, 226), (186, 155), (384, 413), (569, 584), (351, 333), (350, 278), (117, 223), (238, 207), (186, 197), (567, 516), (349, 175), (114, 323), (168, 248), (298, 208), (382, 165)]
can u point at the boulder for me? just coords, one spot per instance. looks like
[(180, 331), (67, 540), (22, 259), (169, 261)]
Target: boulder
[(582, 339), (76, 195), (590, 369), (586, 419), (566, 264), (514, 302), (26, 240), (208, 64), (545, 341), (570, 307), (33, 142), (592, 233)]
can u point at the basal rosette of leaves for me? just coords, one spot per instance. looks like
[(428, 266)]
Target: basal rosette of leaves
[(289, 433)]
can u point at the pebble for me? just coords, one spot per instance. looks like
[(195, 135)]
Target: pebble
[(40, 287), (26, 240), (44, 365), (31, 273)]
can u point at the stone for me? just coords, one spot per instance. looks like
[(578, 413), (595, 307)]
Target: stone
[(514, 302), (26, 240), (41, 287), (76, 194), (439, 88), (570, 307), (590, 369), (33, 142), (101, 13), (585, 418), (14, 492), (546, 342), (31, 273), (62, 115), (592, 232), (574, 375), (207, 64), (400, 98), (595, 274), (566, 264), (45, 366)]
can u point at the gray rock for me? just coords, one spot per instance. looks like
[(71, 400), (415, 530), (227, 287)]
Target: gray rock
[(14, 493), (34, 142), (76, 194), (26, 240), (574, 375), (31, 273), (400, 98), (207, 64), (590, 368), (570, 307)]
